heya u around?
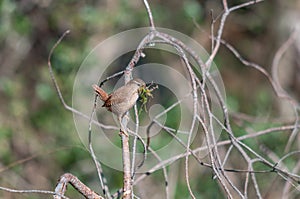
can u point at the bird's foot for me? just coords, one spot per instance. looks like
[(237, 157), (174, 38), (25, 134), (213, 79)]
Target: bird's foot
[(123, 133)]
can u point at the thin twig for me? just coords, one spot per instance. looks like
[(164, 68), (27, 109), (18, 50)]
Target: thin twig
[(150, 16), (32, 191), (58, 91), (99, 169)]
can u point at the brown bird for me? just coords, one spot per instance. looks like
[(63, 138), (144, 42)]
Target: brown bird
[(122, 99)]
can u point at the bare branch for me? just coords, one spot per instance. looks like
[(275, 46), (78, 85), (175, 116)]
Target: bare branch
[(61, 187), (31, 191), (127, 185), (149, 14)]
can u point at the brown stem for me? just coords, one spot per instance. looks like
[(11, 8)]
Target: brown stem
[(127, 185), (61, 187)]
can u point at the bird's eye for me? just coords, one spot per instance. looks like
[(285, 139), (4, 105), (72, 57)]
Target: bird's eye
[(138, 83)]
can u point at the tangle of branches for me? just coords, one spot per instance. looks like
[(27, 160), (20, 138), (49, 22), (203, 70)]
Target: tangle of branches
[(219, 152)]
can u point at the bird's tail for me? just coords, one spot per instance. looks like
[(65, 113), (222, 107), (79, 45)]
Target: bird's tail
[(103, 95)]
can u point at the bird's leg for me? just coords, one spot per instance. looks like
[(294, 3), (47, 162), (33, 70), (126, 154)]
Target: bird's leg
[(123, 128)]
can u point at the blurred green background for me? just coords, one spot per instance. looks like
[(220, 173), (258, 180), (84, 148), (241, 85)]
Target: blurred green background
[(38, 140)]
